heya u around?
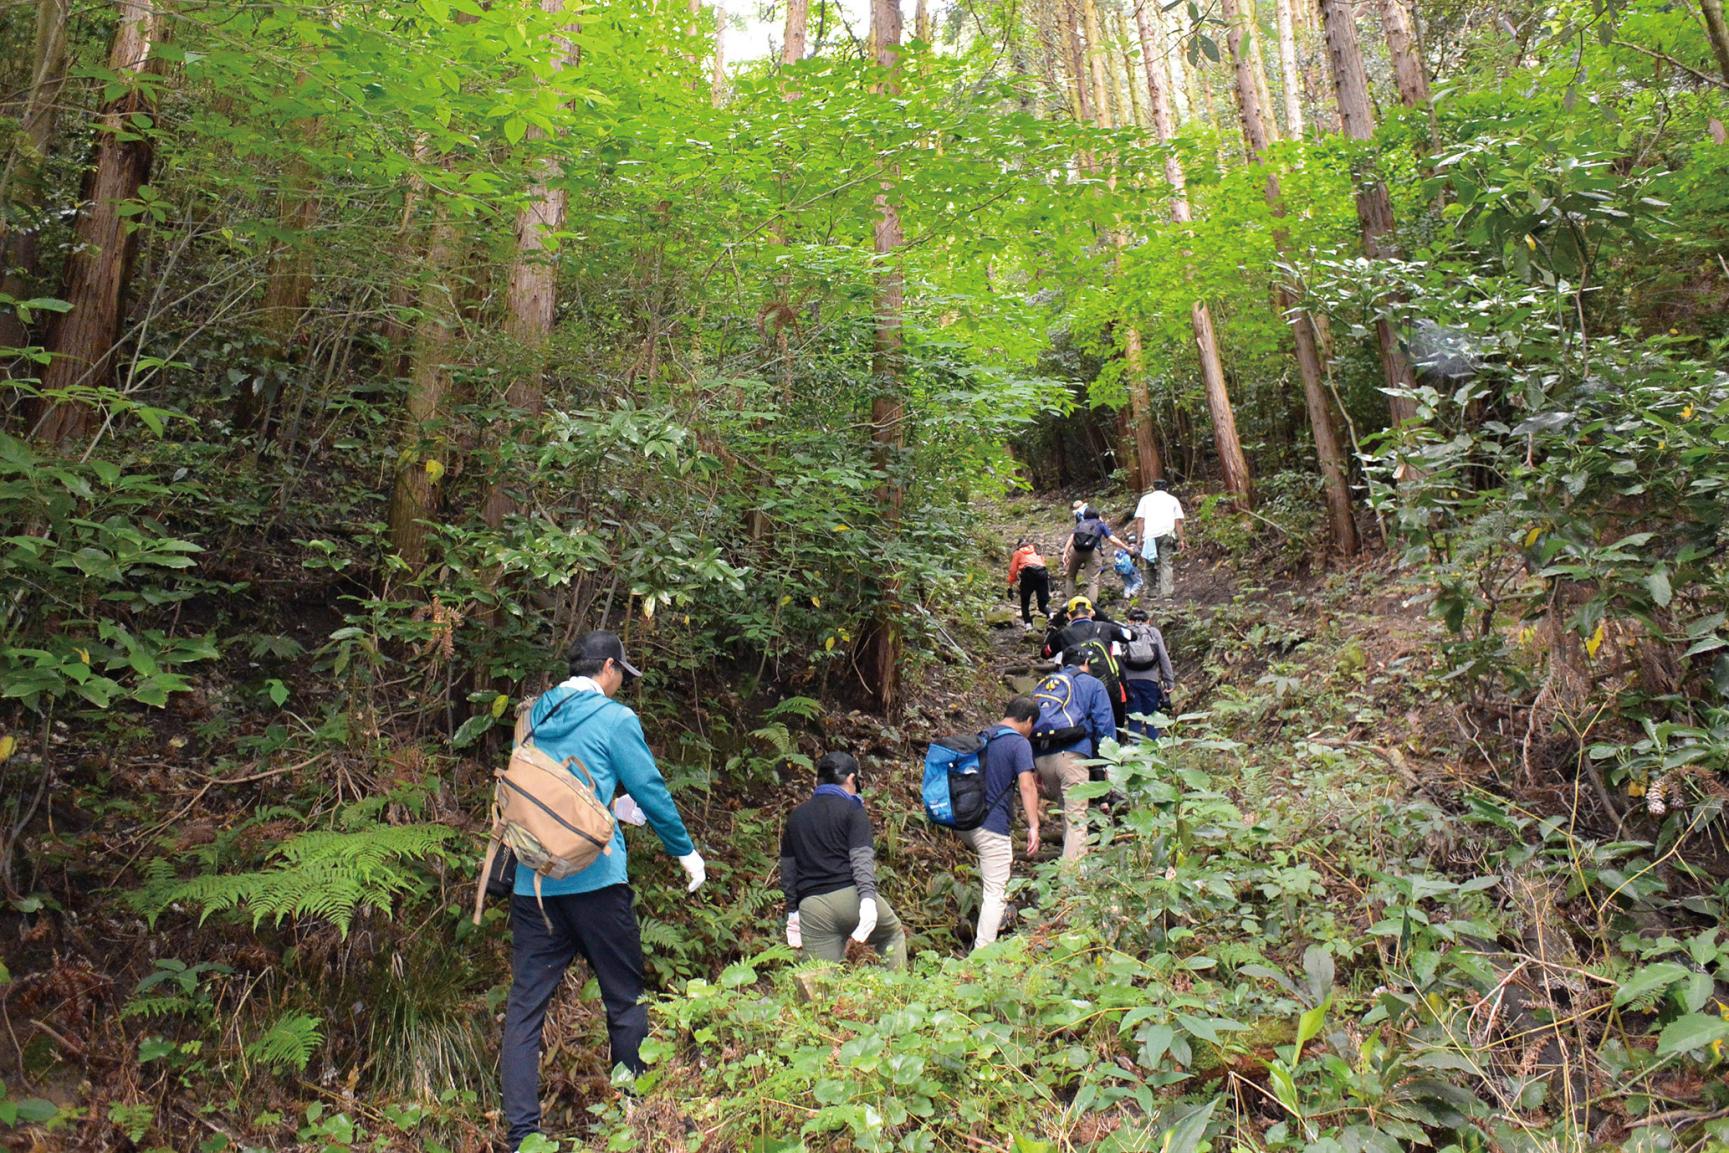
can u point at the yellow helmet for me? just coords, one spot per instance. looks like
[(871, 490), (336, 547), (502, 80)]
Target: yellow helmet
[(1076, 603)]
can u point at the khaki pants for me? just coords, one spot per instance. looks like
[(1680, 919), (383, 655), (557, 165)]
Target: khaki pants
[(996, 858), (1058, 774), (1164, 570), (1082, 564), (828, 919)]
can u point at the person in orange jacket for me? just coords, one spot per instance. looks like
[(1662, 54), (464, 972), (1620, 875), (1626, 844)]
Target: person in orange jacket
[(1027, 568)]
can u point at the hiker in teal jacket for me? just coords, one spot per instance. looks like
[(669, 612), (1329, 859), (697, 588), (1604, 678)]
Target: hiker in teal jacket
[(591, 912), (606, 737)]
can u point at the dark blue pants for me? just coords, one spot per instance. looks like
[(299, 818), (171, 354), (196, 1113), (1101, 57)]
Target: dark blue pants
[(1144, 697), (601, 926)]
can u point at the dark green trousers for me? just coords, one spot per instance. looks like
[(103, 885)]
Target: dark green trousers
[(828, 919)]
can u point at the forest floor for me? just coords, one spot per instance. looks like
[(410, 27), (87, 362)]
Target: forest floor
[(1325, 763)]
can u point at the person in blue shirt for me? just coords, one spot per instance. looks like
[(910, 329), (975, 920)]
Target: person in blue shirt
[(590, 913), (1062, 767), (1082, 554), (1007, 761)]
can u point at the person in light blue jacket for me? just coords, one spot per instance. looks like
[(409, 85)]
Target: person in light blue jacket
[(590, 913)]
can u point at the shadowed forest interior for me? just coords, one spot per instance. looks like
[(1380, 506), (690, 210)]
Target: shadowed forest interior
[(359, 358)]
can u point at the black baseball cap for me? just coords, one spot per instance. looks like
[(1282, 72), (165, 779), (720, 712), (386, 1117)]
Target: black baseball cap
[(600, 645)]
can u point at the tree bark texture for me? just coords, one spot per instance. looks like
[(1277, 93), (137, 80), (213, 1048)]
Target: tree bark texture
[(420, 469), (882, 649), (1329, 454), (82, 339), (1259, 66), (797, 19), (1098, 66), (1131, 88), (1290, 80), (287, 287), (1374, 205), (20, 182), (1140, 449), (1232, 463), (1078, 74), (1717, 31), (1408, 71), (1177, 72), (717, 73), (531, 296)]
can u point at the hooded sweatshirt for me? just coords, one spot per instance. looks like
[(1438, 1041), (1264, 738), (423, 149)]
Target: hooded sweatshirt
[(607, 738), (1027, 556)]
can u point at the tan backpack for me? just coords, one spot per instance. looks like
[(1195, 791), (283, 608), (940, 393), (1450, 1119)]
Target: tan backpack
[(546, 812)]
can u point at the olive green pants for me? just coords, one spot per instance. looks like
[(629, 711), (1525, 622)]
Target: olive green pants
[(828, 919)]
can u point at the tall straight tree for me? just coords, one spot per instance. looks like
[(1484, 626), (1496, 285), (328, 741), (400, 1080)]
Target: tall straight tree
[(1374, 205), (530, 298), (1141, 448), (1232, 462), (1717, 31), (1408, 71), (792, 43), (82, 340), (1253, 22), (1119, 34), (1078, 71), (717, 70), (1290, 80), (21, 179), (287, 279), (421, 462), (888, 407), (1098, 66), (1331, 457)]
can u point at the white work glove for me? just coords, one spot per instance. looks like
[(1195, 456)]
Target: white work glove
[(794, 937), (693, 868), (867, 920), (628, 810)]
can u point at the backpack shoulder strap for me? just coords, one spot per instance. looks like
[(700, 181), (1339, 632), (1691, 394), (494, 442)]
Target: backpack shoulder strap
[(492, 846), (525, 729)]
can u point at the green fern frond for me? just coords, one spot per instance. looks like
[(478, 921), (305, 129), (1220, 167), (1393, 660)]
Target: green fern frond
[(164, 1006), (322, 874), (289, 1043), (662, 936)]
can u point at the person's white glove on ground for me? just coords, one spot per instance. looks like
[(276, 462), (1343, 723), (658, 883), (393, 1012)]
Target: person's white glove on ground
[(693, 868), (628, 810), (794, 937), (867, 920)]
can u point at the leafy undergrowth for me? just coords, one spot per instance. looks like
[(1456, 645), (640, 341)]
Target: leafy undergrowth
[(1290, 938), (1318, 918)]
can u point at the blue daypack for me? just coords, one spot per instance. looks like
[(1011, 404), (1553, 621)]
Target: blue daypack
[(1061, 721), (954, 788)]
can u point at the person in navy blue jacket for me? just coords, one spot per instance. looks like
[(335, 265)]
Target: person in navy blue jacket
[(1060, 769), (592, 912)]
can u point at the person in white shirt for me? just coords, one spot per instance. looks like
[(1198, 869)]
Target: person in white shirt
[(1159, 520)]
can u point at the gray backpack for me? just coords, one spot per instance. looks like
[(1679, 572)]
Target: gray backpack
[(1140, 653)]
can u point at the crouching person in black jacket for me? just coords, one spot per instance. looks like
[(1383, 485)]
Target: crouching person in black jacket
[(828, 871)]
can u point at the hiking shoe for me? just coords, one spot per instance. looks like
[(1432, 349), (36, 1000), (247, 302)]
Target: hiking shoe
[(1026, 626)]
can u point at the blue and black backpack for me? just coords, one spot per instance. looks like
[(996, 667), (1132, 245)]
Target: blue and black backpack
[(954, 790), (1061, 721)]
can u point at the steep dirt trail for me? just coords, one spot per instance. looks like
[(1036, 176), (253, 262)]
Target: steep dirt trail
[(1011, 653)]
